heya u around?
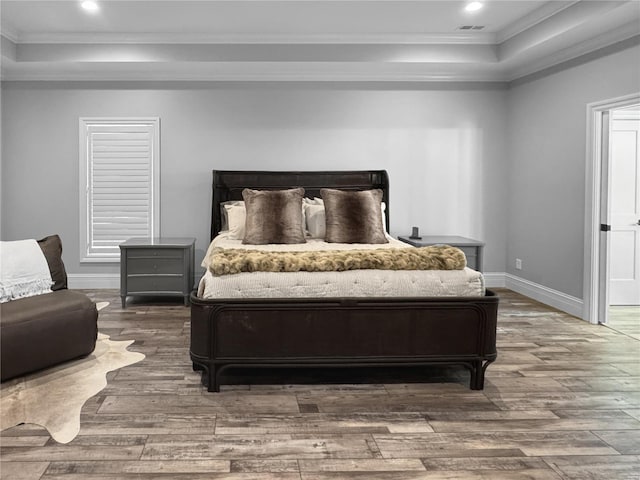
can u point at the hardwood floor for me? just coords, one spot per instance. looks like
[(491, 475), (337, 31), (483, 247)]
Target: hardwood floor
[(561, 402), (625, 319)]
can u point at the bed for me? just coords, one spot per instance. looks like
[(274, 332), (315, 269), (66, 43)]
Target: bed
[(340, 331)]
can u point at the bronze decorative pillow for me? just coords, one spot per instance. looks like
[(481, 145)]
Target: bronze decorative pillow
[(353, 216), (273, 216), (51, 246)]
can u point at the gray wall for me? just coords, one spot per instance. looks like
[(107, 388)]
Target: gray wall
[(444, 148), (546, 158)]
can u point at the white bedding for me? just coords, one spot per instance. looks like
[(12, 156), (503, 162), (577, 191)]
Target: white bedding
[(353, 283)]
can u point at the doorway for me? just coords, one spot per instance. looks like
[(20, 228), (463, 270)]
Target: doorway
[(612, 231), (623, 281)]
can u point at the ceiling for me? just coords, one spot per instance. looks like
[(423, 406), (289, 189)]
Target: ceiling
[(318, 40)]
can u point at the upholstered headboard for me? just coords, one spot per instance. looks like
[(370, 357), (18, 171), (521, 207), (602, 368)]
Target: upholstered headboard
[(228, 185)]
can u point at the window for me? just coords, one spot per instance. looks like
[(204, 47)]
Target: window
[(119, 184)]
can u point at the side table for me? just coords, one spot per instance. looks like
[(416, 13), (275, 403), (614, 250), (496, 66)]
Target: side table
[(157, 266), (472, 249)]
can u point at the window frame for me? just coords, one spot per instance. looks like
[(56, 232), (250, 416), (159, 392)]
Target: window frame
[(86, 254)]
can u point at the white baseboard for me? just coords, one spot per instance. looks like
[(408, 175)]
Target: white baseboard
[(567, 303), (94, 280)]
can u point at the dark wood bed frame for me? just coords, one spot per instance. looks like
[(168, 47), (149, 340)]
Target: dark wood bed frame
[(335, 332)]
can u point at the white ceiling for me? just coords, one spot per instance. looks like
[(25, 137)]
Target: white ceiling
[(369, 40)]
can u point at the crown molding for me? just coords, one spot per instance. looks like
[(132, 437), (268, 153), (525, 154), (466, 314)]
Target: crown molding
[(320, 72), (256, 73), (256, 53), (546, 11), (585, 17), (531, 47), (254, 78), (476, 38), (626, 36)]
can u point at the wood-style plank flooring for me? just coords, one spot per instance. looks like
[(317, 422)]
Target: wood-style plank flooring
[(625, 319), (561, 402)]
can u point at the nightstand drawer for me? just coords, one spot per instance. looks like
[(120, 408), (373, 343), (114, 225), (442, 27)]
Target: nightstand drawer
[(155, 253), (471, 254), (141, 265), (155, 283), (472, 262), (469, 251)]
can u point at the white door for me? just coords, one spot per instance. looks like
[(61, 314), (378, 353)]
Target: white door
[(624, 240)]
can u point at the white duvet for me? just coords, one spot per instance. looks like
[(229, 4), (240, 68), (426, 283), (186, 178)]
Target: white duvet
[(353, 283)]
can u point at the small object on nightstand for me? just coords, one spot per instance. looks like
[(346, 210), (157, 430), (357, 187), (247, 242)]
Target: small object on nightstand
[(472, 248), (157, 266), (414, 234)]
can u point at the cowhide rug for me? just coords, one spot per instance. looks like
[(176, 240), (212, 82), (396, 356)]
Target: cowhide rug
[(54, 397)]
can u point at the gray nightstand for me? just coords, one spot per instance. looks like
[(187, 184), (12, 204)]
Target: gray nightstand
[(156, 266), (471, 248)]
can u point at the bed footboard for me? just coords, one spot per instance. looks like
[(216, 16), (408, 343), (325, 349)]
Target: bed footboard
[(343, 332)]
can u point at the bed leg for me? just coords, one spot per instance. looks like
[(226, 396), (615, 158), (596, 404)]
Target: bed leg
[(209, 376), (477, 376), (212, 384)]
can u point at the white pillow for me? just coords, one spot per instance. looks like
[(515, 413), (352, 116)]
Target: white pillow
[(224, 222), (306, 201), (236, 219), (316, 220)]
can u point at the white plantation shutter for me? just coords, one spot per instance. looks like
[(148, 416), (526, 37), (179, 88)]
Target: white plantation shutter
[(119, 184)]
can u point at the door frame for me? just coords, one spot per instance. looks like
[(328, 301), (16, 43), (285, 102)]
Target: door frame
[(595, 287)]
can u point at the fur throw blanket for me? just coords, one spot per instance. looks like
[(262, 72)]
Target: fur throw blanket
[(224, 261)]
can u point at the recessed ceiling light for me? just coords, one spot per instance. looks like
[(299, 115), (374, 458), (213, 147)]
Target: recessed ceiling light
[(90, 5), (473, 6)]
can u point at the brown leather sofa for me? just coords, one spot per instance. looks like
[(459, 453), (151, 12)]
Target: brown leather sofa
[(45, 330)]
